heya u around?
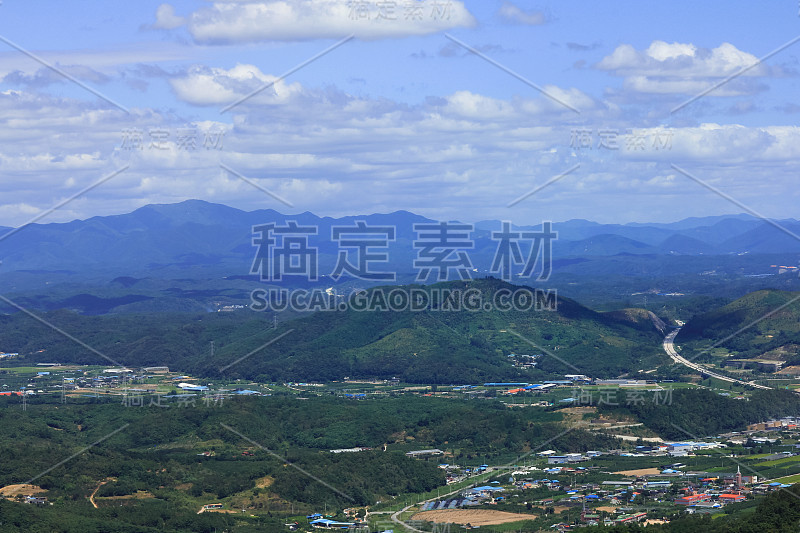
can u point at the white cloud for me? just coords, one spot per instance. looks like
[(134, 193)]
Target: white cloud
[(236, 21), (721, 144), (202, 86), (683, 68), (467, 104), (465, 155), (514, 14), (166, 19)]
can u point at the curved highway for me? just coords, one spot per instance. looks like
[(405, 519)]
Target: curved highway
[(669, 347)]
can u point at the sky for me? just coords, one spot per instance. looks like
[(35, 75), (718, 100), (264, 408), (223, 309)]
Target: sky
[(615, 112)]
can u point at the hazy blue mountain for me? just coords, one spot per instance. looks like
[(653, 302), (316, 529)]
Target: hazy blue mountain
[(682, 244), (194, 239), (722, 230), (694, 222), (766, 238), (605, 244)]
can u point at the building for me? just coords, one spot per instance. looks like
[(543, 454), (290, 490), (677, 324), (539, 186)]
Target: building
[(423, 453), (190, 387), (623, 484), (732, 498), (156, 369), (692, 499), (351, 450), (622, 382), (486, 490), (324, 523), (628, 518)]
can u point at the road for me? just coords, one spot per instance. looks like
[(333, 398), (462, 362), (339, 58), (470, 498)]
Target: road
[(91, 498), (669, 347)]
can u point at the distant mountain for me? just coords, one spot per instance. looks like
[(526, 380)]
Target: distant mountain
[(718, 232), (190, 234), (766, 238), (681, 244), (696, 222), (604, 244), (201, 240)]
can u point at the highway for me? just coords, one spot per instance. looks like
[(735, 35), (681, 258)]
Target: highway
[(669, 347)]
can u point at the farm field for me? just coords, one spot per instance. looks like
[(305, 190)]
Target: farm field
[(640, 472), (474, 517)]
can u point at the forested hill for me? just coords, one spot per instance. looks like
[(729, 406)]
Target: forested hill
[(700, 412), (432, 345), (762, 322)]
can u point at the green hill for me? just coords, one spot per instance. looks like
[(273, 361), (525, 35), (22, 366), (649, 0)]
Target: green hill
[(762, 323), (431, 346), (452, 347)]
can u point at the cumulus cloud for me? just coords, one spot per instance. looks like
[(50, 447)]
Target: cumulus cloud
[(719, 144), (681, 68), (511, 13), (240, 21), (202, 85), (166, 19)]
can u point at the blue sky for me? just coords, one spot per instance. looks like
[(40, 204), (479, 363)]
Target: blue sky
[(402, 116)]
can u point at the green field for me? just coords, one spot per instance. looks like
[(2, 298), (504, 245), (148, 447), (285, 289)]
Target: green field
[(790, 479), (785, 460)]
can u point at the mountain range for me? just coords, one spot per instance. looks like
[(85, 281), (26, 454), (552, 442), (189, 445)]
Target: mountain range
[(196, 256), (202, 236)]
